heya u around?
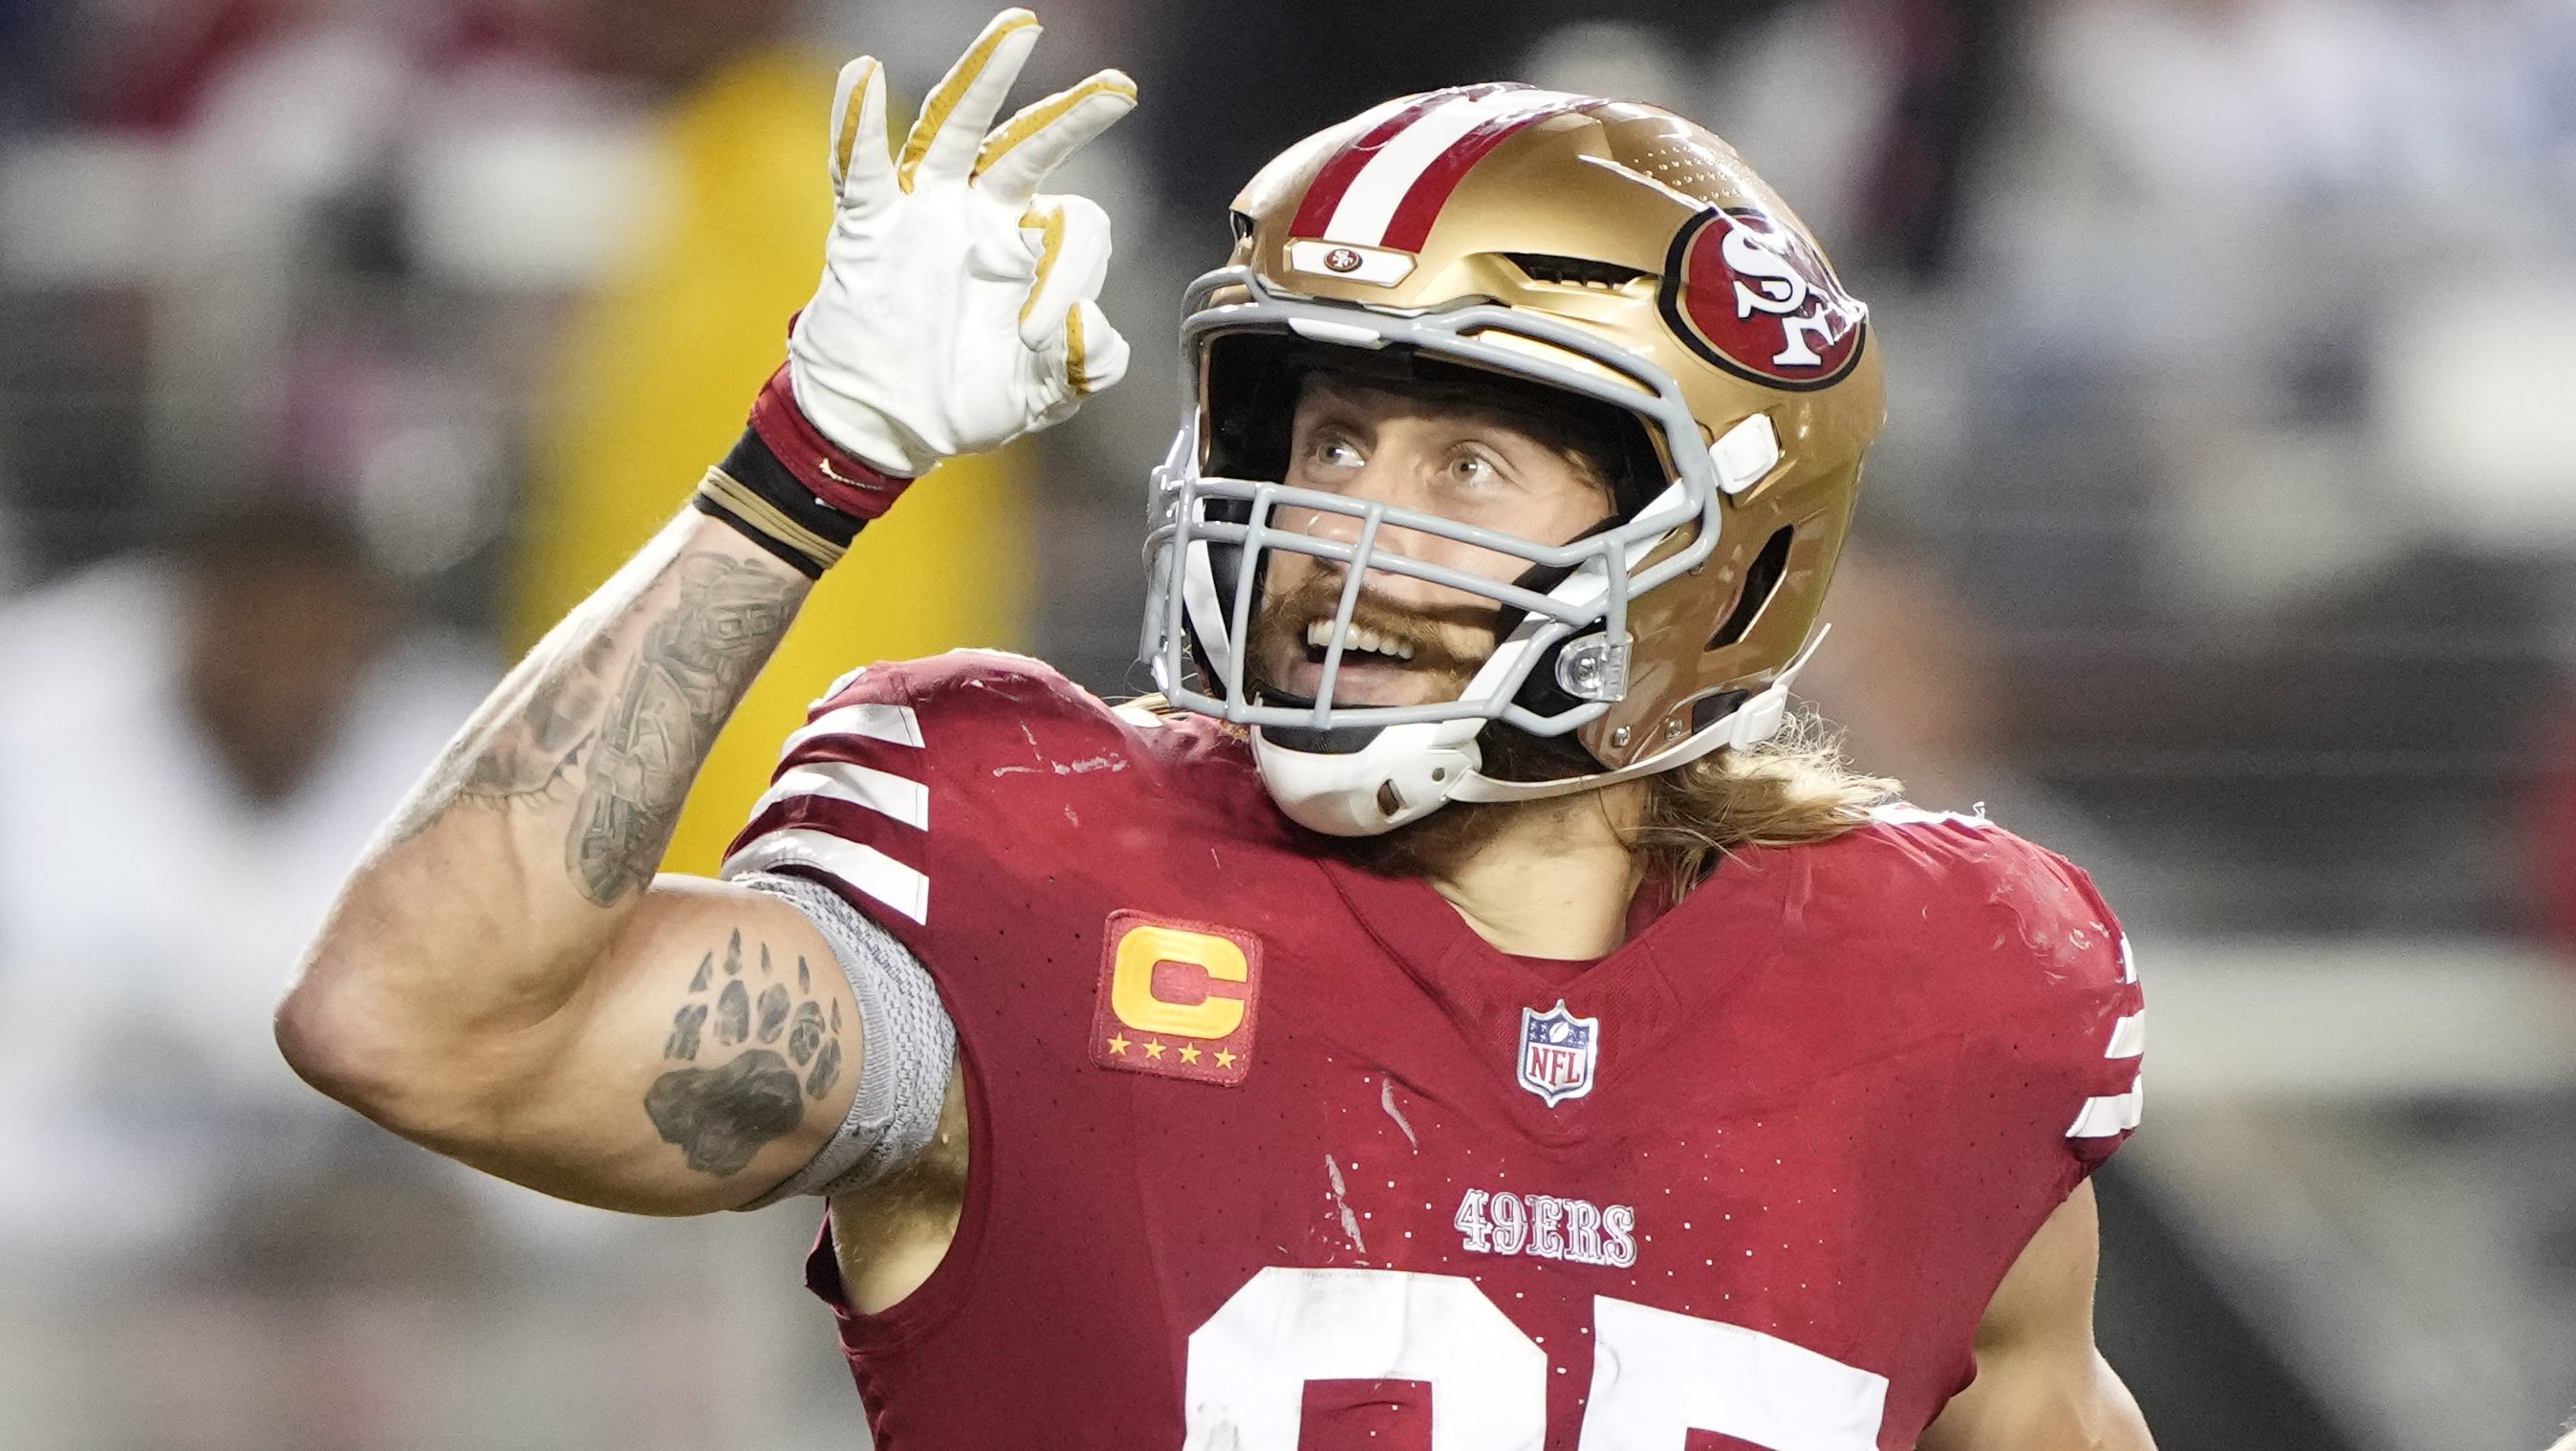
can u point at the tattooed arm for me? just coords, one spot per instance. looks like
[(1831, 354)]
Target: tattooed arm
[(504, 980)]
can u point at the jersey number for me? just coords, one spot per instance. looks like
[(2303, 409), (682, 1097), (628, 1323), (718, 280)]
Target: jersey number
[(1656, 1375)]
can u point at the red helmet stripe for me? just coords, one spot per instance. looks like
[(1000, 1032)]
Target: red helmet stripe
[(1411, 225)]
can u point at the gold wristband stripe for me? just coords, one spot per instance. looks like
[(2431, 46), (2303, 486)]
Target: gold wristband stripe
[(760, 514), (952, 90)]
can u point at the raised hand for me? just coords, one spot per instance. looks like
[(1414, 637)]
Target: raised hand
[(957, 305)]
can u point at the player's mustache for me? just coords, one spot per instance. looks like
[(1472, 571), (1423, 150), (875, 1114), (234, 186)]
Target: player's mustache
[(1319, 597)]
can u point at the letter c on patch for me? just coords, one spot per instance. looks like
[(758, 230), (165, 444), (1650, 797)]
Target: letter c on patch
[(1131, 989)]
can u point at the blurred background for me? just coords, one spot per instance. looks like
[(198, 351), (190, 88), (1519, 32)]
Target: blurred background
[(2224, 537)]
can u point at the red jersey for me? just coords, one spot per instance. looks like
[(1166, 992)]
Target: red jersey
[(1269, 1153)]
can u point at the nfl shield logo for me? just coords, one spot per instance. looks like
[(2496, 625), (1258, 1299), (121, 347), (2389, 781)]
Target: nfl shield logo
[(1558, 1051)]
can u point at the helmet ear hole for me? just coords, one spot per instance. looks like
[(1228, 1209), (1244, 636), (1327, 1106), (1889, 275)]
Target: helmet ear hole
[(1761, 578)]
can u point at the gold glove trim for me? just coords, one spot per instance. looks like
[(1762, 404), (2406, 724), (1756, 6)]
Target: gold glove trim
[(952, 90), (848, 145), (1076, 372), (760, 514), (1050, 224), (1046, 113)]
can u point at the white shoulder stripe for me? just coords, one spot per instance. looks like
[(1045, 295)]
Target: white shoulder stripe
[(883, 792), (863, 869), (2104, 1117), (2129, 1036), (2128, 960), (894, 724), (1904, 815)]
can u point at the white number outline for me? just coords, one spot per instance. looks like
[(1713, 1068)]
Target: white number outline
[(1249, 1364), (1657, 1375)]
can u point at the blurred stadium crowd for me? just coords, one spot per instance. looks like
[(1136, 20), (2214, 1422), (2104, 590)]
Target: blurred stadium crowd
[(2224, 538)]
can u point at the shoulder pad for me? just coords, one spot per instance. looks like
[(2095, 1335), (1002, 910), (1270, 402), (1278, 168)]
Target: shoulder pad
[(893, 745), (2027, 939)]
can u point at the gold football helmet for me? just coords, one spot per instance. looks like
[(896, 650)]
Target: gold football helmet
[(1606, 249)]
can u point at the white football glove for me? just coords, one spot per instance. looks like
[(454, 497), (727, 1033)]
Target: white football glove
[(956, 311)]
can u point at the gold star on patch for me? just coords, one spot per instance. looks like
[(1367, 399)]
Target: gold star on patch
[(1117, 1044), (1189, 1053), (1153, 1049), (1224, 1059)]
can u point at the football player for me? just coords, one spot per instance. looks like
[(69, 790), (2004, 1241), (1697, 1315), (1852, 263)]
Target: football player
[(1452, 1010)]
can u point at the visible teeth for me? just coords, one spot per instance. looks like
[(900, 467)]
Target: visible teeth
[(1319, 635)]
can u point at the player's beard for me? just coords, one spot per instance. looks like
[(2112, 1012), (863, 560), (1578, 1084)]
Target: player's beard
[(1448, 647)]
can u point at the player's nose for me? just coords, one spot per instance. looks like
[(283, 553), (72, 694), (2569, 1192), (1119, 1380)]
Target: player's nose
[(1389, 543)]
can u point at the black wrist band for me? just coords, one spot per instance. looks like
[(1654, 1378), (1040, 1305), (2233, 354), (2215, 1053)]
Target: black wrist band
[(803, 563), (752, 491)]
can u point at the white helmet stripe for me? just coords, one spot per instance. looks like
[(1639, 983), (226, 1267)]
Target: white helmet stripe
[(1369, 206)]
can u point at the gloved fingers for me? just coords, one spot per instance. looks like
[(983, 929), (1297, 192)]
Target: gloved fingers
[(1072, 262), (861, 168), (953, 120), (1088, 354), (1017, 158)]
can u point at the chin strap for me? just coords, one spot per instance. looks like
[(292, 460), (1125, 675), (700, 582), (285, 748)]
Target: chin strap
[(1748, 725)]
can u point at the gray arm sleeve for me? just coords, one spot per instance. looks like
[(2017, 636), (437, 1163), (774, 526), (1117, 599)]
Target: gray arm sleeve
[(907, 1046)]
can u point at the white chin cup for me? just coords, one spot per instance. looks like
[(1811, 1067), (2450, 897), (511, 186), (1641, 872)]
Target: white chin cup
[(1410, 771), (1404, 774)]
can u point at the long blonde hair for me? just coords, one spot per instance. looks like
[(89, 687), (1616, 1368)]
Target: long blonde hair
[(1791, 790)]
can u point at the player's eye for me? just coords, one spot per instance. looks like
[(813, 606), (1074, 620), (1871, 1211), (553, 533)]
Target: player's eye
[(1474, 468), (1334, 451)]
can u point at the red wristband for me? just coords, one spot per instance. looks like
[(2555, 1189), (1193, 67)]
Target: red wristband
[(830, 472)]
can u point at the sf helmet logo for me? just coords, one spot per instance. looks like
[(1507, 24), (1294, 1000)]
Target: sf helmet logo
[(1755, 298)]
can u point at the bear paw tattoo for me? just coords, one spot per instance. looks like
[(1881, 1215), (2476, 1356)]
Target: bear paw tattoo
[(785, 1048)]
